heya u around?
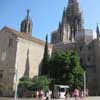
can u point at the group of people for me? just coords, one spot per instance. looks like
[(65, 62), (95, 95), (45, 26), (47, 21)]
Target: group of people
[(40, 95), (79, 95)]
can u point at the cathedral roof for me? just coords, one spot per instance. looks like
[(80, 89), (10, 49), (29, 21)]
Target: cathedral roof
[(24, 36)]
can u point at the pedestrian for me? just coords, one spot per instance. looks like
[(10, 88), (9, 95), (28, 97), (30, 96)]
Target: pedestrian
[(37, 94), (85, 94), (76, 94), (81, 94), (40, 95), (67, 95), (50, 94), (47, 95)]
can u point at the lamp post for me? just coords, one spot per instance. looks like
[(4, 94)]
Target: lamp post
[(85, 91), (16, 71), (16, 88), (84, 82)]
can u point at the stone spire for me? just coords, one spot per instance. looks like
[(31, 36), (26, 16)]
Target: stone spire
[(26, 25), (73, 7), (71, 24), (27, 16), (64, 12), (97, 31), (74, 18), (71, 1)]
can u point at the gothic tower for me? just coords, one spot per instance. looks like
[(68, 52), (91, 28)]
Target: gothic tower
[(97, 31), (74, 18), (71, 23), (26, 25)]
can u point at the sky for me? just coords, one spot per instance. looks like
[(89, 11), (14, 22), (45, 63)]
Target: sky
[(45, 14)]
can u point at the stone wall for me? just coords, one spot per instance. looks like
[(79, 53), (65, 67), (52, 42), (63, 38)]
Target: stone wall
[(97, 62), (28, 58), (7, 61), (21, 55)]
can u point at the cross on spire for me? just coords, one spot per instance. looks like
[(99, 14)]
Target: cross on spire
[(97, 31), (28, 11), (72, 1)]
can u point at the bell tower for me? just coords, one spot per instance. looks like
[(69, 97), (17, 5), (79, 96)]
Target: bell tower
[(74, 18), (70, 25), (26, 25)]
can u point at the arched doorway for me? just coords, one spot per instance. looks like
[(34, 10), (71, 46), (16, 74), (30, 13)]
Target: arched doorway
[(1, 94), (1, 90)]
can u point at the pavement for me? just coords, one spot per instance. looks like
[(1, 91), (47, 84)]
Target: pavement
[(88, 98)]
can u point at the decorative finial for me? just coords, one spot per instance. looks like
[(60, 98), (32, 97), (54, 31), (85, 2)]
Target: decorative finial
[(72, 1), (97, 31), (64, 11), (28, 13)]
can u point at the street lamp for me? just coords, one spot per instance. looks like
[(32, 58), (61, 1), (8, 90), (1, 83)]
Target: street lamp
[(16, 88), (84, 81), (16, 72), (85, 91)]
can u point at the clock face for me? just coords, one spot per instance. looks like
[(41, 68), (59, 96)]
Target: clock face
[(3, 56)]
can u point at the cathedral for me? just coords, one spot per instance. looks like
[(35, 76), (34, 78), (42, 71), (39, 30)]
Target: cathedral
[(72, 35), (22, 54)]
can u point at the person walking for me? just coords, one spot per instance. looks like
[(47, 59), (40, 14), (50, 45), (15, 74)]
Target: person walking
[(67, 95), (47, 95), (37, 95), (81, 94), (76, 94)]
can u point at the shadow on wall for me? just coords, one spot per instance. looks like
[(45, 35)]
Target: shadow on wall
[(40, 68), (27, 66), (1, 90)]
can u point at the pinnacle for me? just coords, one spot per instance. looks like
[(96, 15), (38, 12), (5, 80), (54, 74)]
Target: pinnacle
[(72, 1)]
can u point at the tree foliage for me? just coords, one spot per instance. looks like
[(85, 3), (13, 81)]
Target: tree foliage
[(75, 72), (64, 68), (45, 60), (41, 82), (26, 83), (36, 83)]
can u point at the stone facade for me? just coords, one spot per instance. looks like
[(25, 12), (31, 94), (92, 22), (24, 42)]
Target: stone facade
[(7, 61), (83, 41), (20, 53), (96, 62), (70, 24)]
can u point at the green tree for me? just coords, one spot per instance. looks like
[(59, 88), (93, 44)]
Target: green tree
[(75, 71), (65, 68), (36, 83), (58, 67), (45, 60), (25, 84), (41, 82)]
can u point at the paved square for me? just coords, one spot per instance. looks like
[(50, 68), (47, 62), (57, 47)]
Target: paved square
[(89, 98)]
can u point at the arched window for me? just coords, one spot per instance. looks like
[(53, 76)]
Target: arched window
[(1, 74), (10, 42)]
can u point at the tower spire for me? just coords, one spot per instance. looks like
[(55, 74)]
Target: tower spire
[(28, 11), (97, 31), (26, 24), (71, 1), (74, 18), (64, 11)]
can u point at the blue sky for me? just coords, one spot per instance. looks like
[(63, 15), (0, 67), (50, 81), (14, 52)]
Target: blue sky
[(45, 14)]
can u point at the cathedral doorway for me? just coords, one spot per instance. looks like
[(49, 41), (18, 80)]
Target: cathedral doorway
[(1, 90), (1, 94)]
